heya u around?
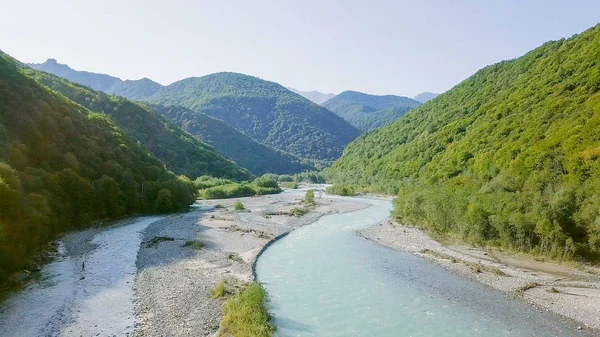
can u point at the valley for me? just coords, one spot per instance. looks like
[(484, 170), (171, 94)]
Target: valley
[(431, 179)]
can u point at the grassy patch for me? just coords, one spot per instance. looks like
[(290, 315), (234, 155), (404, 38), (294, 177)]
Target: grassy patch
[(195, 244), (298, 212), (289, 184), (219, 291), (158, 239), (222, 189), (309, 198), (238, 206), (343, 190), (245, 315)]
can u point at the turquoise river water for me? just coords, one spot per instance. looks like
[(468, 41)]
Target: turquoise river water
[(325, 280)]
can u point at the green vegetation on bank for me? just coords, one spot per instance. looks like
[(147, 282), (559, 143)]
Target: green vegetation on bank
[(312, 177), (343, 190), (63, 166), (222, 188), (368, 112), (182, 153), (309, 198), (245, 313), (289, 184), (509, 157)]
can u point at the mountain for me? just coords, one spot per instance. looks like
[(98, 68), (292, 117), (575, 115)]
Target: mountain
[(265, 111), (246, 152), (426, 96), (134, 89), (509, 157), (181, 152), (63, 166), (93, 80), (367, 112), (315, 96)]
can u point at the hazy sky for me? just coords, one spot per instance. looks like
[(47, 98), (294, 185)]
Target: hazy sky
[(380, 47)]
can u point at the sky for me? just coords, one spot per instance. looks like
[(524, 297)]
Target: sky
[(375, 46)]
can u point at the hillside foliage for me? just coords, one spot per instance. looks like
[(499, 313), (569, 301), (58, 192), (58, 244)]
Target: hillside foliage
[(182, 153), (368, 112), (243, 150), (265, 111), (509, 157), (63, 166)]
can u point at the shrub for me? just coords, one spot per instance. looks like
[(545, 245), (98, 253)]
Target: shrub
[(195, 244), (343, 190), (238, 206), (163, 202), (289, 184), (219, 291), (309, 198)]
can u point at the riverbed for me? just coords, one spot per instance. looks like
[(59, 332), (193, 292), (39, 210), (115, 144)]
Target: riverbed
[(325, 280), (86, 291)]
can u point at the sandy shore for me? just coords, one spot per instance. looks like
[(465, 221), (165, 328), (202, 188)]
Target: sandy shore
[(173, 283), (569, 291)]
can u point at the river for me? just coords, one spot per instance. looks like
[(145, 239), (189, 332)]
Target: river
[(325, 280), (73, 299)]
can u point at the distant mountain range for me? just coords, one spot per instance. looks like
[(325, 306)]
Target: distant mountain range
[(367, 112), (315, 96), (426, 96), (266, 112)]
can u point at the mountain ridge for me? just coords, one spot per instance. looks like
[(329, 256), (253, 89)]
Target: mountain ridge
[(368, 112)]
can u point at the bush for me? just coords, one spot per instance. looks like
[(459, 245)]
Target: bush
[(219, 291), (238, 206), (164, 202), (260, 186), (309, 198), (291, 185), (340, 190), (195, 244), (266, 181)]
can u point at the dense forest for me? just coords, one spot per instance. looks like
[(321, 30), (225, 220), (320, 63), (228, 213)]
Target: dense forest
[(63, 166), (367, 112), (245, 151), (509, 157), (182, 153), (264, 111)]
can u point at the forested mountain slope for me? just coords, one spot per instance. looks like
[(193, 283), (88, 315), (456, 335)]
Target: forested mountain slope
[(182, 153), (510, 156), (62, 166), (367, 112), (243, 150), (264, 111)]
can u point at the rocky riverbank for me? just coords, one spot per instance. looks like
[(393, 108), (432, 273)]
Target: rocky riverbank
[(573, 292), (183, 257)]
